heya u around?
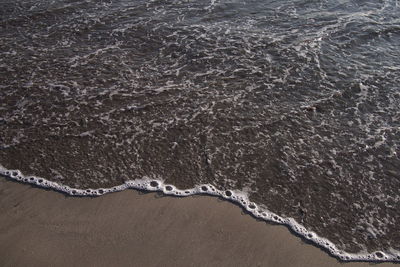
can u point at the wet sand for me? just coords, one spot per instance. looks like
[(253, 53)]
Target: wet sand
[(45, 228)]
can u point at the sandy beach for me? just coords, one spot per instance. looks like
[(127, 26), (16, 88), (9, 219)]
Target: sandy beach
[(45, 228)]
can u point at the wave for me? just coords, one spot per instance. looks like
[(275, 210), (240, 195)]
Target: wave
[(236, 196)]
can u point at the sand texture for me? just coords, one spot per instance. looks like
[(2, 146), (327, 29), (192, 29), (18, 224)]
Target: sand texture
[(45, 228)]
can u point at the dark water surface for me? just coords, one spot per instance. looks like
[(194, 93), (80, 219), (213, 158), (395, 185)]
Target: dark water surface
[(296, 103)]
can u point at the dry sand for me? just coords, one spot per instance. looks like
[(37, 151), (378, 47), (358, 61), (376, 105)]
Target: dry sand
[(45, 228)]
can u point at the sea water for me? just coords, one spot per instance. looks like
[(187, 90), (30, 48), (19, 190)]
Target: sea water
[(288, 108)]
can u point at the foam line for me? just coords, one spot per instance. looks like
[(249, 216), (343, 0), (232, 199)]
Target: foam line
[(235, 196)]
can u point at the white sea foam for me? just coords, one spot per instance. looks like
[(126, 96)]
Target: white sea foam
[(235, 196)]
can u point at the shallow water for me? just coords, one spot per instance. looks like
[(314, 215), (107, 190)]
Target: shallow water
[(294, 103)]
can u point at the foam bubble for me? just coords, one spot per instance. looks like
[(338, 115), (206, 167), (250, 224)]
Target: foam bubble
[(379, 254), (252, 206), (154, 184), (168, 188)]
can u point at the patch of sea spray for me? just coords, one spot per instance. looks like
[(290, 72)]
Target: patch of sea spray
[(235, 196)]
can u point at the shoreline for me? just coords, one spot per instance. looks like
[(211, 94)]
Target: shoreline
[(235, 197), (42, 227)]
